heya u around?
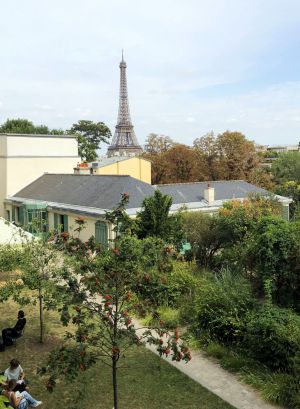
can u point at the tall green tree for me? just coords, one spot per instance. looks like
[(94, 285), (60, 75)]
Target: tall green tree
[(287, 168), (154, 219), (89, 136)]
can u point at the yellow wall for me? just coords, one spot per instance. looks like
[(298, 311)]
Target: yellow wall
[(87, 232), (136, 167)]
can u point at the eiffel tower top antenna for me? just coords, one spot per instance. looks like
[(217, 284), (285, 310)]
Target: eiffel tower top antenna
[(124, 142)]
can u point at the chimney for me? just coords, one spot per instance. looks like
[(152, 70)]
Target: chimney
[(209, 194)]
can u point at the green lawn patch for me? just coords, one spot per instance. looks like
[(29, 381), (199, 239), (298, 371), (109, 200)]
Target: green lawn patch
[(145, 381)]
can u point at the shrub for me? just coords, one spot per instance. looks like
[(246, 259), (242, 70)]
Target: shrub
[(203, 232), (221, 304), (274, 252), (169, 288), (169, 316), (273, 337)]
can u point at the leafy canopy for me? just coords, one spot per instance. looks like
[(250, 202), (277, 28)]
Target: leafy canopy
[(24, 126), (89, 136)]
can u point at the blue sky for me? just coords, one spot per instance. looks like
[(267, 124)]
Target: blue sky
[(193, 66)]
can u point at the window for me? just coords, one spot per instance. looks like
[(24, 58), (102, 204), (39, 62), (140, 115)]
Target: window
[(35, 220), (101, 233), (8, 215), (61, 222)]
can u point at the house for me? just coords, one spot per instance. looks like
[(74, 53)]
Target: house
[(58, 199)]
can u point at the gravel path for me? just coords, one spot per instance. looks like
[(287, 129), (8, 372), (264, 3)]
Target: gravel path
[(220, 382)]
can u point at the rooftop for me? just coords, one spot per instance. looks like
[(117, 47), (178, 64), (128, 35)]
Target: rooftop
[(103, 192)]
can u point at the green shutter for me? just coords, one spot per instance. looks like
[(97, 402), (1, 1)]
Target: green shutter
[(101, 233), (66, 226), (286, 212), (21, 221), (13, 214), (55, 221)]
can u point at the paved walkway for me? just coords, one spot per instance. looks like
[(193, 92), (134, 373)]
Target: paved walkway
[(214, 378)]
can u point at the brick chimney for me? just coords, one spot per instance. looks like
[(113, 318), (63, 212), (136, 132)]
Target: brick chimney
[(209, 194)]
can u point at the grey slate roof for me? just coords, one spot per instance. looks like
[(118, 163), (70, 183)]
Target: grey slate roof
[(103, 191), (224, 190), (99, 191)]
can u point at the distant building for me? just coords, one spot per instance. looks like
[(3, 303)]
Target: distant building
[(277, 148), (138, 168), (24, 158), (124, 142)]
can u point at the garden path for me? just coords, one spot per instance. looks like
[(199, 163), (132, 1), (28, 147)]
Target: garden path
[(217, 380)]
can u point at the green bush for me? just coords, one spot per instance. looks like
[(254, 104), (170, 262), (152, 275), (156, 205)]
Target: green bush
[(273, 337), (169, 316), (167, 288), (10, 257), (221, 304)]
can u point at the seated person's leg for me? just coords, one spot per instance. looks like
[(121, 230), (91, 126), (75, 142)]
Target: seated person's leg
[(7, 334), (29, 398)]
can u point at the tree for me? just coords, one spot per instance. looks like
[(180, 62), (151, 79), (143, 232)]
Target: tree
[(207, 152), (104, 326), (24, 126), (287, 168), (42, 272), (154, 219), (182, 165), (291, 189), (89, 136), (228, 156), (274, 254), (237, 155), (156, 144)]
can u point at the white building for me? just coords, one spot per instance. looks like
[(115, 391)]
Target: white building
[(24, 158)]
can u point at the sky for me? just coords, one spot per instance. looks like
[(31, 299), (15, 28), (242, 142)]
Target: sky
[(193, 66)]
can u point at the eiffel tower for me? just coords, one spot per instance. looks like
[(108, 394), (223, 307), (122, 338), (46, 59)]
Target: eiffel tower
[(124, 142)]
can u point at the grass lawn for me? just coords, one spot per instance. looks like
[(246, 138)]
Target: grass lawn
[(146, 382)]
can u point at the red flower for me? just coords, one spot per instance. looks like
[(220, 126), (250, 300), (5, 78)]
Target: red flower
[(108, 297), (128, 296), (107, 304), (167, 351), (116, 252), (82, 367), (126, 195), (115, 350)]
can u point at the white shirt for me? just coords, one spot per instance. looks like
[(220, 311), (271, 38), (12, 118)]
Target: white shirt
[(13, 373)]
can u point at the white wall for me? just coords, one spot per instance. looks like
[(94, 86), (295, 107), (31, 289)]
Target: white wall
[(23, 159), (41, 146)]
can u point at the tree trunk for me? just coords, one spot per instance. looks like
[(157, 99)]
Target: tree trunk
[(115, 385), (41, 317)]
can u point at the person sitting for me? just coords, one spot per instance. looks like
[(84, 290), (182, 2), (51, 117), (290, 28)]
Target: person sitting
[(19, 400), (15, 372), (9, 333)]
